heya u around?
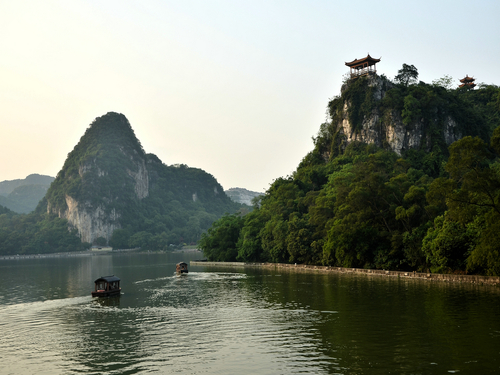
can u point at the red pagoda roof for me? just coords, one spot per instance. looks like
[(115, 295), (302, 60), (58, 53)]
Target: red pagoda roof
[(467, 79), (368, 59)]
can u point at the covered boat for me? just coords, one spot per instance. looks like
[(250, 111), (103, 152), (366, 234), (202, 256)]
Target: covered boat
[(181, 267), (106, 286)]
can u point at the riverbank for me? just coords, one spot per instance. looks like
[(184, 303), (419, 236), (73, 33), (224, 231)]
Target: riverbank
[(468, 279), (93, 253), (67, 254)]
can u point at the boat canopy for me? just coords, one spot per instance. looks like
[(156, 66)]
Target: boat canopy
[(108, 279)]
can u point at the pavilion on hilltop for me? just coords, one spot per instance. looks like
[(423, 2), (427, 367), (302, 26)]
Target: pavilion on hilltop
[(362, 67), (468, 82)]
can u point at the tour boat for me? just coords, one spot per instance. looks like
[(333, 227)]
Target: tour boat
[(181, 267), (107, 286)]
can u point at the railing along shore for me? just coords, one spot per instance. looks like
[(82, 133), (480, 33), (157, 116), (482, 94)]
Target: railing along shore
[(469, 279)]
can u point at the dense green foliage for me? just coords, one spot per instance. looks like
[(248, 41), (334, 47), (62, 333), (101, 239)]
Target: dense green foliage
[(421, 107), (36, 234), (220, 240), (169, 214), (434, 208)]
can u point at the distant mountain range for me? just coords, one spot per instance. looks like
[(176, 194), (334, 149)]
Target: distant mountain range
[(23, 195), (243, 196)]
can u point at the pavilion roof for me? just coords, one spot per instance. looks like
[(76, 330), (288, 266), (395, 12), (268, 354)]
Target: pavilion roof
[(368, 59), (467, 79)]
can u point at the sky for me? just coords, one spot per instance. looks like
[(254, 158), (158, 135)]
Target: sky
[(236, 88)]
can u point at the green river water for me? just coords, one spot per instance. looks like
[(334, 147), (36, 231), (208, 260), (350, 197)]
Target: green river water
[(238, 321)]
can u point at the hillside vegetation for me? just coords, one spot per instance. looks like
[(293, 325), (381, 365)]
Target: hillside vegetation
[(352, 204)]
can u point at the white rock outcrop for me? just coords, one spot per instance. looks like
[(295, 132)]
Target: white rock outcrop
[(241, 195), (141, 180), (390, 131), (99, 221), (91, 222)]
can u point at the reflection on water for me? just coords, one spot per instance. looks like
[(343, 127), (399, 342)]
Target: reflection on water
[(244, 321)]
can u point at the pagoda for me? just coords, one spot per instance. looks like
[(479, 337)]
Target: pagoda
[(362, 67), (467, 82)]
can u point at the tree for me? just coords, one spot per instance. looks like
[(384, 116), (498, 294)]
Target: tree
[(447, 245), (219, 243), (472, 196), (445, 81), (142, 240), (408, 74), (411, 110), (250, 243), (119, 239)]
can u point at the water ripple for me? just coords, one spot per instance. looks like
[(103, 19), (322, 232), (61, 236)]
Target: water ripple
[(225, 323)]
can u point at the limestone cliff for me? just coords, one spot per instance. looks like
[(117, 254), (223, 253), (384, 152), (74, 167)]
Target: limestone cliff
[(374, 110), (91, 222)]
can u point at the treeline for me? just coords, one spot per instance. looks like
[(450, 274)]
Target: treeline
[(36, 233), (433, 209)]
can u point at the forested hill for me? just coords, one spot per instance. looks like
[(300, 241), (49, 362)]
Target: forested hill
[(110, 191), (405, 176)]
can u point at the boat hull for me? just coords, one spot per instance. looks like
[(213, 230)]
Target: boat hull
[(106, 293)]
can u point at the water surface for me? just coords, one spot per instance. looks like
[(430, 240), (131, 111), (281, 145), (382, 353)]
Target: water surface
[(238, 321)]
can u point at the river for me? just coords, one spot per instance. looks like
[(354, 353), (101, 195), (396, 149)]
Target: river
[(238, 321)]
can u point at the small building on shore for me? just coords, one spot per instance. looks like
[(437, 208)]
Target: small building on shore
[(101, 248)]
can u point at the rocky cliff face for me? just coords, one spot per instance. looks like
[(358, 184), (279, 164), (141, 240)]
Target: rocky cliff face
[(94, 221), (141, 179), (91, 222), (368, 116)]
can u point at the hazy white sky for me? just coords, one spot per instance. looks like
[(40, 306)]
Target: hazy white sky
[(237, 88)]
